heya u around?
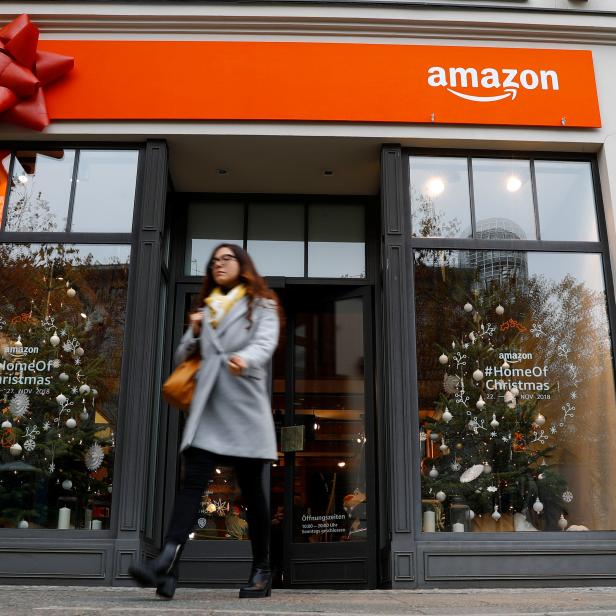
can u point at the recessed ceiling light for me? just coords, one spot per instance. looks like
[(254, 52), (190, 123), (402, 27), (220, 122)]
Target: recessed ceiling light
[(435, 186), (513, 183)]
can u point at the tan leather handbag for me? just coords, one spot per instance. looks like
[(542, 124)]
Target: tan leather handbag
[(179, 388)]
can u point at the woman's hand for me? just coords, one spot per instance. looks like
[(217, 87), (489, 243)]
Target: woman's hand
[(236, 365), (195, 322)]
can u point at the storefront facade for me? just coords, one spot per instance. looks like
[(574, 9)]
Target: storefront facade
[(429, 191)]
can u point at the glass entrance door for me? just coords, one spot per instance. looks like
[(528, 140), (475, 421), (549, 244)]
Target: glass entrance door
[(322, 400)]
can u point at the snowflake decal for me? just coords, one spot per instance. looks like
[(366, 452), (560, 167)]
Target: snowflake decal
[(63, 332), (74, 390), (493, 434), (30, 445), (56, 363), (19, 404), (553, 430), (567, 496), (52, 467), (574, 395), (77, 361), (94, 457), (48, 324), (455, 466), (70, 346), (46, 426)]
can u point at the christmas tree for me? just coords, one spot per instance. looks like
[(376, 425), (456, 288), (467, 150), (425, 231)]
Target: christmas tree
[(487, 450), (57, 399)]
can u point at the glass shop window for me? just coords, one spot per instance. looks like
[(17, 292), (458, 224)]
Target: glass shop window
[(207, 226), (440, 199), (105, 191), (40, 190), (62, 322), (284, 239), (499, 196), (276, 238), (516, 391), (336, 241), (41, 196), (566, 186)]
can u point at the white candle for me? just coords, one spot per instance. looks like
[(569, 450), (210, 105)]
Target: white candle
[(64, 518), (458, 527), (429, 521), (97, 525)]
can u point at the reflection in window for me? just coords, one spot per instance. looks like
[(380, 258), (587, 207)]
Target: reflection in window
[(440, 201), (276, 238), (62, 319), (105, 192), (336, 241), (503, 199), (40, 191), (5, 162), (209, 225), (566, 201), (329, 497), (516, 391)]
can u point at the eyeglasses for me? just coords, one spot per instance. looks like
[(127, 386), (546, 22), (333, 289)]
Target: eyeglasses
[(222, 260)]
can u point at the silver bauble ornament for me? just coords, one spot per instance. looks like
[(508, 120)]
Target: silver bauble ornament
[(67, 484), (487, 469), (540, 419), (79, 351), (447, 416), (15, 449), (480, 403), (71, 292), (23, 524), (470, 514), (71, 423), (443, 359), (562, 522), (63, 377), (538, 506), (515, 391), (55, 339), (441, 496), (84, 390), (6, 424), (433, 472), (494, 423), (60, 398), (496, 516), (443, 447), (499, 310), (477, 375), (468, 307)]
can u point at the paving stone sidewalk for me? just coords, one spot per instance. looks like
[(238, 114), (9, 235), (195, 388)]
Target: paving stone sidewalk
[(88, 601)]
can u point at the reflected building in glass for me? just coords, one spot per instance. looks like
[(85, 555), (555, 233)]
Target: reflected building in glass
[(494, 266)]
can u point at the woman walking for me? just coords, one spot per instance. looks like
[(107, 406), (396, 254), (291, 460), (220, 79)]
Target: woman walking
[(230, 420)]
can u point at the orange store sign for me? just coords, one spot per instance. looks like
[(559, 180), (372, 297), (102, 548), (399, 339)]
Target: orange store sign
[(325, 82)]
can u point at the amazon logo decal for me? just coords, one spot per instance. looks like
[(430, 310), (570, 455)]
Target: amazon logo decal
[(501, 83)]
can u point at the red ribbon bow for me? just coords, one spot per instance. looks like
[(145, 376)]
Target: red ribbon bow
[(23, 73)]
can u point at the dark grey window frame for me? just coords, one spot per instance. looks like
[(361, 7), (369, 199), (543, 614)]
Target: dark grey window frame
[(600, 247)]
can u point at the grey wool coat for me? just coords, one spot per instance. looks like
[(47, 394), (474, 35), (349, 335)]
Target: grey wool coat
[(232, 415)]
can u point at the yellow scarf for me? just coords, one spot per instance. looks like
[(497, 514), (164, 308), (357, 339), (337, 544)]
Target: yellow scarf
[(220, 303)]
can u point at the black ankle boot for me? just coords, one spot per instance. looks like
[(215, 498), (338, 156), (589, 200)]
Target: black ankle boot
[(161, 572), (259, 585)]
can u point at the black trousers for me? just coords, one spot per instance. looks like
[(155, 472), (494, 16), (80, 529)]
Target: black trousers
[(199, 466)]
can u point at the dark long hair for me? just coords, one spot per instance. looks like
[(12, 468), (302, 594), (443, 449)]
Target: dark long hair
[(256, 287)]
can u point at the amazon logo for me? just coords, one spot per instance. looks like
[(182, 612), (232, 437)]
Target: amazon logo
[(493, 84)]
